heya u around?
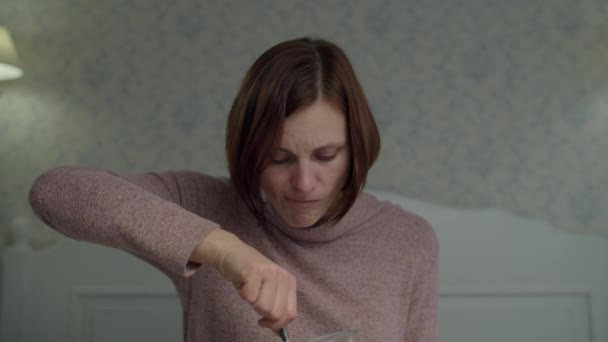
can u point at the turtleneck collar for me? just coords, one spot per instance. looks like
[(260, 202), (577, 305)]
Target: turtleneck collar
[(363, 209)]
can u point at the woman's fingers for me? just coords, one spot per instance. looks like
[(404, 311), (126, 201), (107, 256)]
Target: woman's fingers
[(250, 289), (291, 307), (271, 290), (268, 287), (267, 297), (280, 300), (286, 304)]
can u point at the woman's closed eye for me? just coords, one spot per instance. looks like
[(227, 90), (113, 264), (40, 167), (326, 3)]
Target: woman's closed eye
[(281, 160), (326, 157), (325, 154)]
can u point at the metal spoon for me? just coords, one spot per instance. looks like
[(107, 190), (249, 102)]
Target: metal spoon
[(283, 334)]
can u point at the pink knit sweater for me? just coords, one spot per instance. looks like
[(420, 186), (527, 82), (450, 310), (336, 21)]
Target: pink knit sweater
[(375, 271)]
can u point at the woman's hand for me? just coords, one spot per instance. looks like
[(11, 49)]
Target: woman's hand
[(268, 287)]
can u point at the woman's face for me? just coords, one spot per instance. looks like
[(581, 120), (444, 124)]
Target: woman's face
[(308, 169)]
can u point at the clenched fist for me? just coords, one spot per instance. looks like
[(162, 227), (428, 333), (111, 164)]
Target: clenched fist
[(268, 287)]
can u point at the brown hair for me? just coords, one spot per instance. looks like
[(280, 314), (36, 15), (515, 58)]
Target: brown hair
[(285, 78)]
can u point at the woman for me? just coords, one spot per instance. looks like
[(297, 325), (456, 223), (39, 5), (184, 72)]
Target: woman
[(289, 240)]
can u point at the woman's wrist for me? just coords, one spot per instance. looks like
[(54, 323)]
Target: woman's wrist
[(212, 249)]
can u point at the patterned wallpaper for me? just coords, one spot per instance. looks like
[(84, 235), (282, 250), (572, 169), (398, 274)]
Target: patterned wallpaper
[(480, 103)]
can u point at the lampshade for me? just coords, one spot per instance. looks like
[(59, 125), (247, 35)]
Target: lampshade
[(9, 62)]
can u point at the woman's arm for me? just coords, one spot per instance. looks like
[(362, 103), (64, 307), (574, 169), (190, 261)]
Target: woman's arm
[(144, 214), (159, 217)]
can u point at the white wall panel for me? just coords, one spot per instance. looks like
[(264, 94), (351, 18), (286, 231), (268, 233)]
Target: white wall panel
[(124, 314), (521, 317)]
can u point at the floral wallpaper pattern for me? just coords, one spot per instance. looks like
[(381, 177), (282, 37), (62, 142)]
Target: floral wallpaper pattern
[(480, 103)]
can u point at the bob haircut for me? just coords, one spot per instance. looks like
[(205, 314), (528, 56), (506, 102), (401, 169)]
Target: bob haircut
[(287, 77)]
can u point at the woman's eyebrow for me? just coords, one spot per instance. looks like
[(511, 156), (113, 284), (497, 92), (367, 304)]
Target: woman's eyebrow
[(338, 145)]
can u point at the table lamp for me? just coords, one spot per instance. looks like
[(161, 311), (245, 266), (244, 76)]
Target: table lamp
[(10, 67)]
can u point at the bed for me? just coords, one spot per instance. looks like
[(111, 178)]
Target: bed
[(502, 278)]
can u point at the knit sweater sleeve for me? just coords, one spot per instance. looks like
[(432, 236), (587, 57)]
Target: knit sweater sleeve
[(423, 310), (156, 216)]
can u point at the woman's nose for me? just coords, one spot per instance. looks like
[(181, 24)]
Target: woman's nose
[(303, 180)]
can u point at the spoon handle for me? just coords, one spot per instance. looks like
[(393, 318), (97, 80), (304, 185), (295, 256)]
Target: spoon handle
[(283, 334)]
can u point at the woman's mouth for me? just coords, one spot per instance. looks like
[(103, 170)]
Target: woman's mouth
[(302, 203), (301, 200)]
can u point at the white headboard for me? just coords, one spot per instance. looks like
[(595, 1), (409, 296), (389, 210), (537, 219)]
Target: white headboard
[(502, 278)]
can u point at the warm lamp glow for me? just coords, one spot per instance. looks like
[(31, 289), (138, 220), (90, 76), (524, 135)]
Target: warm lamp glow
[(9, 61)]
